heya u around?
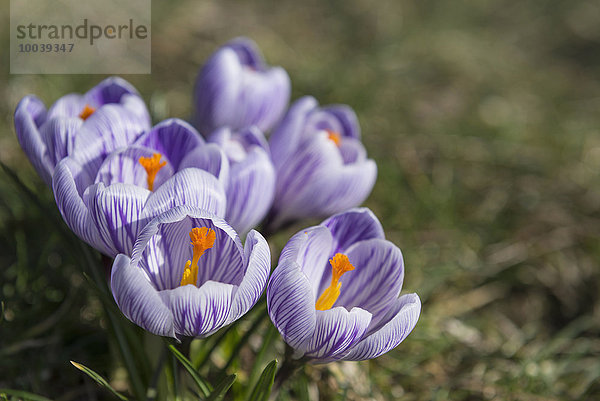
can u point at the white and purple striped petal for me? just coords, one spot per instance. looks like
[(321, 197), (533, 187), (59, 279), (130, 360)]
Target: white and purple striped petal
[(367, 318), (138, 300), (230, 281), (236, 89), (173, 138), (29, 115), (321, 166), (351, 226), (400, 321)]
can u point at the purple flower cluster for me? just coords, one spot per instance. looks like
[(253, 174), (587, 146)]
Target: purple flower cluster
[(170, 207)]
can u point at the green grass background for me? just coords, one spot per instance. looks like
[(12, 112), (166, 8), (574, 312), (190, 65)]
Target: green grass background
[(483, 118)]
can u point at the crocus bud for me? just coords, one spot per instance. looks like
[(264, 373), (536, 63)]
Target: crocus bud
[(235, 88), (321, 165)]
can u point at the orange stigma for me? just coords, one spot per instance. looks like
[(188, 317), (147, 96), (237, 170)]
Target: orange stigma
[(202, 239), (86, 112), (339, 265), (152, 165), (334, 137)]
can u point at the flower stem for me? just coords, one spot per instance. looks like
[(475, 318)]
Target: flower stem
[(287, 369)]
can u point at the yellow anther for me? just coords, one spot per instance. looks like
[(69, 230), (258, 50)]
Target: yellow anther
[(334, 137), (202, 239), (152, 165), (339, 265), (86, 112)]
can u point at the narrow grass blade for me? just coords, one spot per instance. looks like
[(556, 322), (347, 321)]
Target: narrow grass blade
[(24, 395), (221, 388), (202, 384), (262, 390), (99, 379)]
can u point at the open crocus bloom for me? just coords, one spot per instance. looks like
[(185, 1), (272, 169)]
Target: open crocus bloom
[(334, 294), (167, 166), (189, 274), (322, 167), (251, 185), (108, 116), (236, 89)]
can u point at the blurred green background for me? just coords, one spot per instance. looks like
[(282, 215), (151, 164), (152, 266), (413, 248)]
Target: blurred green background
[(484, 119)]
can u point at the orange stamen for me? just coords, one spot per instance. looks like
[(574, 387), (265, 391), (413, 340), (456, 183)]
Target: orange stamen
[(335, 137), (339, 265), (202, 239), (86, 112), (152, 166)]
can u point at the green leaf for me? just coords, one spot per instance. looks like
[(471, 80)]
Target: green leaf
[(221, 388), (22, 394), (262, 390), (99, 379), (202, 384)]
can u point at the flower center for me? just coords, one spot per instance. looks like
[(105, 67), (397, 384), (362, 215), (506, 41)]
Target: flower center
[(152, 165), (86, 112), (202, 239), (339, 265), (334, 137)]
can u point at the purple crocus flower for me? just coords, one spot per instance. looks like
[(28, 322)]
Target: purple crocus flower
[(347, 308), (108, 116), (251, 185), (322, 167), (189, 274), (169, 165), (235, 88)]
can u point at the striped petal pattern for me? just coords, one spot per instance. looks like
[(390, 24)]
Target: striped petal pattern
[(320, 162), (232, 277), (236, 89), (368, 318), (48, 136)]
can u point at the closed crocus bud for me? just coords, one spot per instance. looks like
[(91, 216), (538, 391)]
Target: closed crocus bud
[(321, 164), (168, 166), (335, 293), (189, 274), (235, 88), (109, 116), (251, 185)]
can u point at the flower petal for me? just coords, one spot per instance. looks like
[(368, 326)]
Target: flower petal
[(59, 136), (110, 90), (30, 113), (376, 279), (69, 106), (123, 166), (336, 330), (251, 190), (173, 138), (69, 182), (347, 119), (117, 212), (108, 128), (257, 258), (216, 89), (192, 187), (401, 320), (290, 304), (138, 300), (354, 225), (310, 248), (288, 134), (209, 158), (198, 312), (163, 247)]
